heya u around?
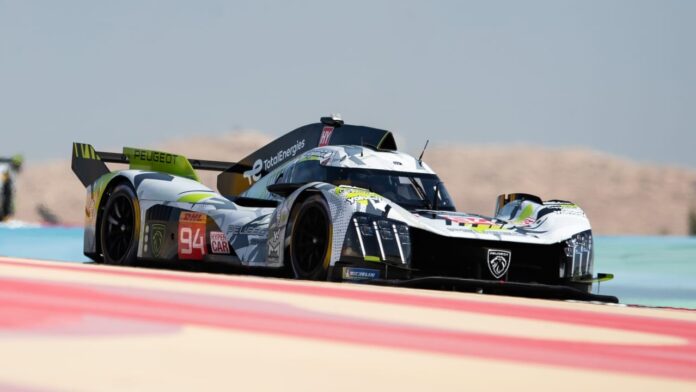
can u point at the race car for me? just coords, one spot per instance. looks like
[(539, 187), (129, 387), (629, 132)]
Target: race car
[(331, 201), (9, 167)]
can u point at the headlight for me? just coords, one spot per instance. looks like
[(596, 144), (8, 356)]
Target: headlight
[(578, 257), (373, 238)]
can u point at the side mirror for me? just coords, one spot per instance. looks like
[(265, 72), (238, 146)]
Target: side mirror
[(500, 202), (283, 190), (504, 199), (436, 195)]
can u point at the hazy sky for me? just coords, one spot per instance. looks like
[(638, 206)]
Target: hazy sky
[(619, 76)]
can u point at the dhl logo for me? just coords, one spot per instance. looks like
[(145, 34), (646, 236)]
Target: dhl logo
[(192, 217)]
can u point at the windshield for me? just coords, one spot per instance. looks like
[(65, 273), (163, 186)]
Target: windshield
[(409, 190)]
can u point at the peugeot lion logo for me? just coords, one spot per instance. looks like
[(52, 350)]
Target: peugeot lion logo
[(498, 262)]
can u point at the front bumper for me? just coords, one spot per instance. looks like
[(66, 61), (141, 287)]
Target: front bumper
[(386, 274)]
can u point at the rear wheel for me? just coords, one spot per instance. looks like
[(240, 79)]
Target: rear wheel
[(119, 229), (310, 240)]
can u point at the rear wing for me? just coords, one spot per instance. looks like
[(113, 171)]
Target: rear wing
[(330, 132), (89, 164)]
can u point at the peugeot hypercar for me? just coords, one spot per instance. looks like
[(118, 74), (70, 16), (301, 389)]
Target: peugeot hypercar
[(9, 167), (331, 201)]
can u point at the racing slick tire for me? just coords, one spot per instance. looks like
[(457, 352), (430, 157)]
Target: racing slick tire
[(310, 240), (119, 231)]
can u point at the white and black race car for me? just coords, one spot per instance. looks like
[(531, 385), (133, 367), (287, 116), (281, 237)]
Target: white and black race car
[(331, 201)]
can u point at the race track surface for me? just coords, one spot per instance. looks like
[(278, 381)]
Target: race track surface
[(67, 326)]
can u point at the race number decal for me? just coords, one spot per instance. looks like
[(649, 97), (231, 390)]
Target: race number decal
[(191, 236)]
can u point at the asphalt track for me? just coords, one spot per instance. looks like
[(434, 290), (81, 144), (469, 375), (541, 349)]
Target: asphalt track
[(70, 327)]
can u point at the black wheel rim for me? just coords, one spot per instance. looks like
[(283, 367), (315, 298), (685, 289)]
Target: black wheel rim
[(310, 240), (119, 224)]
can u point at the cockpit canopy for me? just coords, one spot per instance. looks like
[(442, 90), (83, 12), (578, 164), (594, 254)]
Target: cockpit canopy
[(411, 190)]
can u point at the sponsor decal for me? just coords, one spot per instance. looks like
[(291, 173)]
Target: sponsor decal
[(260, 165), (459, 229), (471, 220), (218, 243), (564, 209), (473, 223), (157, 232), (254, 174), (282, 155), (350, 273), (154, 156), (191, 217), (498, 262), (325, 136), (274, 243), (357, 195), (247, 230), (191, 236)]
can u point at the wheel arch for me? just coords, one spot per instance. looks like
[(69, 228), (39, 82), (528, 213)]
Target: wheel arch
[(297, 203), (341, 207), (293, 202)]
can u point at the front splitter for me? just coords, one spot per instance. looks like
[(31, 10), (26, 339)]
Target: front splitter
[(514, 289)]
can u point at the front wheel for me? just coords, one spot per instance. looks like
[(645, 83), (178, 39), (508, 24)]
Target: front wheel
[(310, 241), (120, 227)]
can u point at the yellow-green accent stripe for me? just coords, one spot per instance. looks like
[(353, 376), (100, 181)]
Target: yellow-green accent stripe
[(195, 197)]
